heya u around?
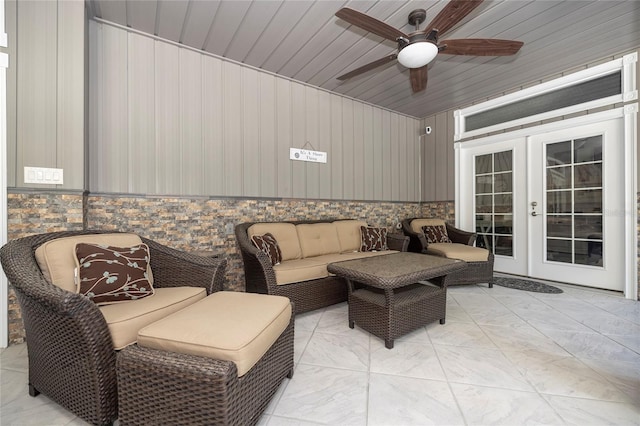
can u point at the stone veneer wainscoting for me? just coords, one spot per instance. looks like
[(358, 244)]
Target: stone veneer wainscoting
[(187, 223), (31, 213)]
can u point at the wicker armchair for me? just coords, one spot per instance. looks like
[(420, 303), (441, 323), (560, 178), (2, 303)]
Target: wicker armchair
[(476, 271), (71, 354)]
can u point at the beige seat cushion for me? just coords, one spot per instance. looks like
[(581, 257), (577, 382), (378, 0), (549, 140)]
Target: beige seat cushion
[(317, 239), (314, 268), (293, 271), (349, 234), (56, 258), (417, 224), (125, 319), (284, 233), (226, 325), (458, 251)]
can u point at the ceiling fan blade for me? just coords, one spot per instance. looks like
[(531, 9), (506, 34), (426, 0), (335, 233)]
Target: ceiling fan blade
[(370, 24), (453, 12), (418, 77), (480, 47), (367, 67)]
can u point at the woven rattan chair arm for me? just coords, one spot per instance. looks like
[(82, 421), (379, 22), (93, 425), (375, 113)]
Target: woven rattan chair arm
[(397, 242), (176, 268), (417, 241), (258, 270), (457, 235)]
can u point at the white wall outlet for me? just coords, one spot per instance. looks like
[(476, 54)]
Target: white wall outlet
[(43, 175)]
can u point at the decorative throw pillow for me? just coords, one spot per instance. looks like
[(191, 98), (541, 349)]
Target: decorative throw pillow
[(436, 234), (107, 274), (268, 244), (373, 239)]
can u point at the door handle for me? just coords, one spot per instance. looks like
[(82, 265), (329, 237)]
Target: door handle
[(534, 214)]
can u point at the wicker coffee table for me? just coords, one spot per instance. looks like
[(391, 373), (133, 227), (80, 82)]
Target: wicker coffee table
[(386, 297)]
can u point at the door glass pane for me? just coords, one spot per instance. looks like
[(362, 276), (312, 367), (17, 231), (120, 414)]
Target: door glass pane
[(503, 182), (502, 161), (588, 175), (559, 250), (484, 184), (588, 149), (494, 202), (588, 226), (574, 201), (558, 154), (559, 177), (559, 226), (588, 201), (559, 202), (483, 164)]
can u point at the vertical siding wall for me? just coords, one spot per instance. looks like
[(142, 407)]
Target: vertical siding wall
[(45, 97), (169, 120), (438, 161)]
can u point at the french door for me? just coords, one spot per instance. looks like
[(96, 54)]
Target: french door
[(549, 205), (576, 205)]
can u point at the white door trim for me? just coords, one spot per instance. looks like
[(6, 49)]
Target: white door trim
[(629, 114), (630, 194), (4, 287)]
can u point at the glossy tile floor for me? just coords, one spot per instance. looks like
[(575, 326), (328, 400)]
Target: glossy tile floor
[(504, 357)]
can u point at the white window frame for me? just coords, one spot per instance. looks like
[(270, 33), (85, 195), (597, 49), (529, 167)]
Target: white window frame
[(626, 65)]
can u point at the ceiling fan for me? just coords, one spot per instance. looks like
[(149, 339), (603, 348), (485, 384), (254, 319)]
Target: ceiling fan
[(419, 48)]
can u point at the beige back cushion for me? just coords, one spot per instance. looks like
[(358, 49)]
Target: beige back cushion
[(284, 233), (56, 258), (417, 224), (349, 234), (317, 239)]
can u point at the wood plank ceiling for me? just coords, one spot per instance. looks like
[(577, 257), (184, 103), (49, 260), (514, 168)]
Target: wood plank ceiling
[(303, 40)]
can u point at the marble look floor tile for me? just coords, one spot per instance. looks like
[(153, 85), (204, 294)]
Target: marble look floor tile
[(564, 376), (308, 321), (522, 337), (455, 313), (630, 341), (550, 320), (406, 401), (330, 350), (625, 375), (492, 406), (417, 360), (284, 421), (459, 334), (15, 358), (300, 340), (335, 321), (18, 408), (592, 345), (586, 412), (500, 316), (325, 395), (483, 367)]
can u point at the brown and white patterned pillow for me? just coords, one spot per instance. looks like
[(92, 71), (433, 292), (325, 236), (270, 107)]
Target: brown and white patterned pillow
[(107, 274), (436, 234), (268, 244), (373, 239)]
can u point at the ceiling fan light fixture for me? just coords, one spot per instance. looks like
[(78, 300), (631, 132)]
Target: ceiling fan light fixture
[(417, 54)]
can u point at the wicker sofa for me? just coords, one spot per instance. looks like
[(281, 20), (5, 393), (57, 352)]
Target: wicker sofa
[(70, 340), (479, 261), (307, 247)]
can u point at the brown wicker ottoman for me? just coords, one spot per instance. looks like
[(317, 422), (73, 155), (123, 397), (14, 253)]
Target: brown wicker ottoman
[(157, 386)]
